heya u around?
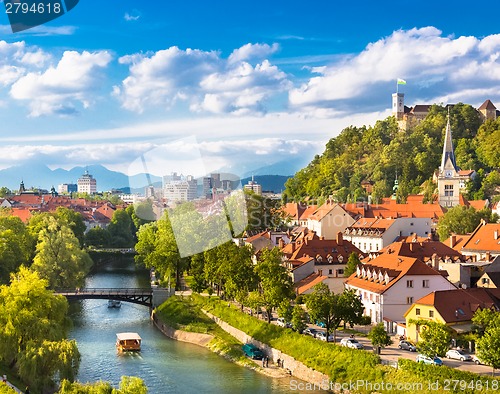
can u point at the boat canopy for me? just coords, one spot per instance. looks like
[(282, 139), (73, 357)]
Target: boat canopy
[(127, 336)]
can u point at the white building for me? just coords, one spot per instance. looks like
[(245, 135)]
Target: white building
[(67, 188), (254, 187), (328, 220), (179, 187), (87, 184), (373, 234), (389, 285)]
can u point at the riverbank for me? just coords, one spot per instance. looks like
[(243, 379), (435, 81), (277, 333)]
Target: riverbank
[(182, 320), (327, 364)]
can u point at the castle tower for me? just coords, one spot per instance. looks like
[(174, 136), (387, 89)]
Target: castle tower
[(448, 178), (488, 110), (398, 105)]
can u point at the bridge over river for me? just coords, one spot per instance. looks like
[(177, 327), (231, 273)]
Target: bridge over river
[(151, 297)]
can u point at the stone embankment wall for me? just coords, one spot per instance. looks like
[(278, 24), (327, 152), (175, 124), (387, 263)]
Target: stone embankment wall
[(296, 368), (183, 336)]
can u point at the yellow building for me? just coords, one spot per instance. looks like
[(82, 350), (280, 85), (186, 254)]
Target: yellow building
[(455, 308)]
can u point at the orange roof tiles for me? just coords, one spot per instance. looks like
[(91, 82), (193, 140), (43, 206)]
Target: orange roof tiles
[(459, 305), (422, 250), (396, 268), (485, 238), (22, 213), (311, 245), (308, 282)]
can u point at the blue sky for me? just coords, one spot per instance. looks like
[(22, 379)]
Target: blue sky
[(240, 85)]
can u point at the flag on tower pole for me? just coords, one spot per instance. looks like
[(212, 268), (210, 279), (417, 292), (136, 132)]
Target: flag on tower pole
[(399, 82)]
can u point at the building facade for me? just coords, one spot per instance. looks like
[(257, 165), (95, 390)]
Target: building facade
[(87, 184)]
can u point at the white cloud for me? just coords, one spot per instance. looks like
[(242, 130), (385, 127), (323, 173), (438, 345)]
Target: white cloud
[(204, 79), (437, 65), (60, 88), (131, 17)]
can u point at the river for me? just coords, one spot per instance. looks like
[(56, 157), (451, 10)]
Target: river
[(166, 366)]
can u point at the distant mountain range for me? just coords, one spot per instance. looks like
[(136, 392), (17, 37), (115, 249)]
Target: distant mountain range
[(42, 177)]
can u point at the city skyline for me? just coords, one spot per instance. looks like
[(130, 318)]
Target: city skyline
[(242, 88)]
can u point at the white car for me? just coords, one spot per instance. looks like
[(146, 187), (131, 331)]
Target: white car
[(322, 335), (477, 360), (282, 323), (352, 343), (458, 355)]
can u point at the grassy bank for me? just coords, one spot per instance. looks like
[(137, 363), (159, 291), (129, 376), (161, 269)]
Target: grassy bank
[(345, 366), (182, 313)]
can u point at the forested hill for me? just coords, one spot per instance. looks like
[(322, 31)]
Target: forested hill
[(376, 153)]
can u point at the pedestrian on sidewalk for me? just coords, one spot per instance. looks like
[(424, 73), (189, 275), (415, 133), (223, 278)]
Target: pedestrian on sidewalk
[(279, 362), (267, 362), (263, 362)]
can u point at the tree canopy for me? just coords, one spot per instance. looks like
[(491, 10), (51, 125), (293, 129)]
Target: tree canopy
[(462, 220), (377, 153), (33, 328)]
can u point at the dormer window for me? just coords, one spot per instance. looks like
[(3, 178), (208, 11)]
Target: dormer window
[(358, 271)]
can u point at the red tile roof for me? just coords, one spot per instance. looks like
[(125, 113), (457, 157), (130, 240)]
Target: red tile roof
[(396, 267), (485, 238), (313, 246), (459, 305), (308, 282), (22, 213), (423, 250)]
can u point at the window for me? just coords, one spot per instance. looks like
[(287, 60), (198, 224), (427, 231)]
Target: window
[(340, 271), (431, 313), (409, 283), (409, 300), (425, 283), (330, 272), (448, 190), (417, 311)]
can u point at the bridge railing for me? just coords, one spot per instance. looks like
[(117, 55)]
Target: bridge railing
[(104, 290)]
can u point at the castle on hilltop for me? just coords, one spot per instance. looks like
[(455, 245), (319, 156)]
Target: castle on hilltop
[(408, 117)]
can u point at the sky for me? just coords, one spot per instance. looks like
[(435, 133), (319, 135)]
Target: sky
[(197, 86)]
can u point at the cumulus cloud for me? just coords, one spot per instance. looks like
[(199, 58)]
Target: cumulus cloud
[(208, 82), (59, 89), (432, 63)]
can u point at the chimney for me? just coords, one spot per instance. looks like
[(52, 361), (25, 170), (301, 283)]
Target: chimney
[(340, 239), (293, 246), (435, 261), (487, 257), (453, 240), (495, 235), (321, 238), (412, 246), (281, 243)]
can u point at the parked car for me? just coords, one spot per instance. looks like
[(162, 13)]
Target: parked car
[(322, 335), (458, 355), (352, 343), (405, 345), (429, 360), (310, 331), (252, 351), (477, 360), (283, 323)]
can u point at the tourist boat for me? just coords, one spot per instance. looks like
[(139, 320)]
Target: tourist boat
[(114, 304), (128, 341)]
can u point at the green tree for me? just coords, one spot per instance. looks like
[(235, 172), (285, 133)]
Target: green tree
[(325, 307), (285, 310), (74, 220), (379, 337), (59, 258), (98, 237), (4, 192), (434, 337), (351, 308), (274, 283), (298, 319), (15, 246), (462, 220), (128, 385), (485, 318), (197, 270), (352, 263), (121, 229), (33, 327), (488, 347)]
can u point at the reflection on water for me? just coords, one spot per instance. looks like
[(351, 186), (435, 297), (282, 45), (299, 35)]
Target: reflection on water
[(166, 366)]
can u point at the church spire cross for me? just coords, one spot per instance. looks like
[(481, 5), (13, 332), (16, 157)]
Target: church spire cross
[(448, 160)]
